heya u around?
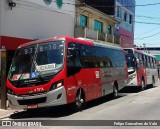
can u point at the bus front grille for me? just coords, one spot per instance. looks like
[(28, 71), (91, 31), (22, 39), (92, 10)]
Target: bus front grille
[(32, 101)]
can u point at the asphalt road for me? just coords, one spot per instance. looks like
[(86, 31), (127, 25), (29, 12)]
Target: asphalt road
[(131, 105)]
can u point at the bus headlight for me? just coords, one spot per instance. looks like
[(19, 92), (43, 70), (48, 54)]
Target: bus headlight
[(133, 76), (56, 85), (10, 92)]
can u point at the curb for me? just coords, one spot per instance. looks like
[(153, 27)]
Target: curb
[(7, 115)]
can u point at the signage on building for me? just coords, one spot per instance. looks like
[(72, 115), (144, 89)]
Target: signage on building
[(59, 3), (48, 2)]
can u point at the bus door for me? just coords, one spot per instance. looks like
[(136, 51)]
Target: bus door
[(78, 74), (73, 73)]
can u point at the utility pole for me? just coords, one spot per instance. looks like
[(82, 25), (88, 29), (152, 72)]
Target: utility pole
[(144, 45), (3, 79)]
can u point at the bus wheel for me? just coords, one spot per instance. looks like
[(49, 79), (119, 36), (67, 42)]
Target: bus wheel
[(80, 101), (115, 91), (153, 82), (143, 86)]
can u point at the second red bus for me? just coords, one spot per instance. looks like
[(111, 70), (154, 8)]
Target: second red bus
[(142, 68)]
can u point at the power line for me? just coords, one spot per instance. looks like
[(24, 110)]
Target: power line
[(112, 6), (151, 23), (40, 7), (149, 36), (147, 17), (127, 6), (37, 6), (43, 8), (148, 4), (65, 3), (154, 21), (149, 31)]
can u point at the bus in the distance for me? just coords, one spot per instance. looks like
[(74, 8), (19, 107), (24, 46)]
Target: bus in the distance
[(63, 70), (142, 68)]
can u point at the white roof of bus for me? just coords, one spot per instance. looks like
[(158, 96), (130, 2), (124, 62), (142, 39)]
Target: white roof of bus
[(140, 51)]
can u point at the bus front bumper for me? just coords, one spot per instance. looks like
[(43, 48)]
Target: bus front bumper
[(132, 81), (52, 98)]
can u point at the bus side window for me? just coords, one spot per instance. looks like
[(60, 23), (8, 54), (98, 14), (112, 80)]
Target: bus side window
[(155, 63), (152, 65), (73, 58), (146, 62), (149, 62), (73, 61)]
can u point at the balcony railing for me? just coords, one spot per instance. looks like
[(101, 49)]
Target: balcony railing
[(109, 38), (84, 32)]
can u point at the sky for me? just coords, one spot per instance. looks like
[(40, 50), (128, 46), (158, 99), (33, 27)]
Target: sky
[(148, 34)]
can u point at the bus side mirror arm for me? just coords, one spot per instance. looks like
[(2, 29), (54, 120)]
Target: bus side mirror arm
[(137, 61)]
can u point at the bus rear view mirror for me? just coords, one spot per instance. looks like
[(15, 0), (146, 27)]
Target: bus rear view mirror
[(71, 53), (137, 61)]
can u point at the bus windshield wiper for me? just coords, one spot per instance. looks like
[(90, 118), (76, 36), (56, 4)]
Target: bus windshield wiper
[(35, 65), (19, 79), (39, 73)]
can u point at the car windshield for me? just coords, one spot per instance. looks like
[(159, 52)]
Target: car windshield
[(44, 58)]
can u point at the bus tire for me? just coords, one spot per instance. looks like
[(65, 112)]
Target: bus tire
[(143, 86), (115, 91), (79, 104), (153, 82)]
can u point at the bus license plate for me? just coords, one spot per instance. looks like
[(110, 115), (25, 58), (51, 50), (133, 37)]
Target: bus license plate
[(32, 106)]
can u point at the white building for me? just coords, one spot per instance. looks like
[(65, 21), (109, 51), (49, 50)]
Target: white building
[(25, 20)]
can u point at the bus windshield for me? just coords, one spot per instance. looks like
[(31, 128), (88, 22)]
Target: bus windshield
[(37, 59), (130, 62)]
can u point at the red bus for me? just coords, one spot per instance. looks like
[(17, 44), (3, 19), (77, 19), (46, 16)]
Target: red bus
[(142, 68), (64, 70)]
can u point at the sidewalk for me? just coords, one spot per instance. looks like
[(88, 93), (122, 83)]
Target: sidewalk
[(6, 113)]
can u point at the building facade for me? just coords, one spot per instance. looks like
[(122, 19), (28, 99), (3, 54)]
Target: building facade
[(94, 24), (25, 20), (124, 12)]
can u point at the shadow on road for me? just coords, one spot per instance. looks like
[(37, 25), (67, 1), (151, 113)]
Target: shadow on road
[(133, 89), (66, 110), (130, 89), (58, 111)]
